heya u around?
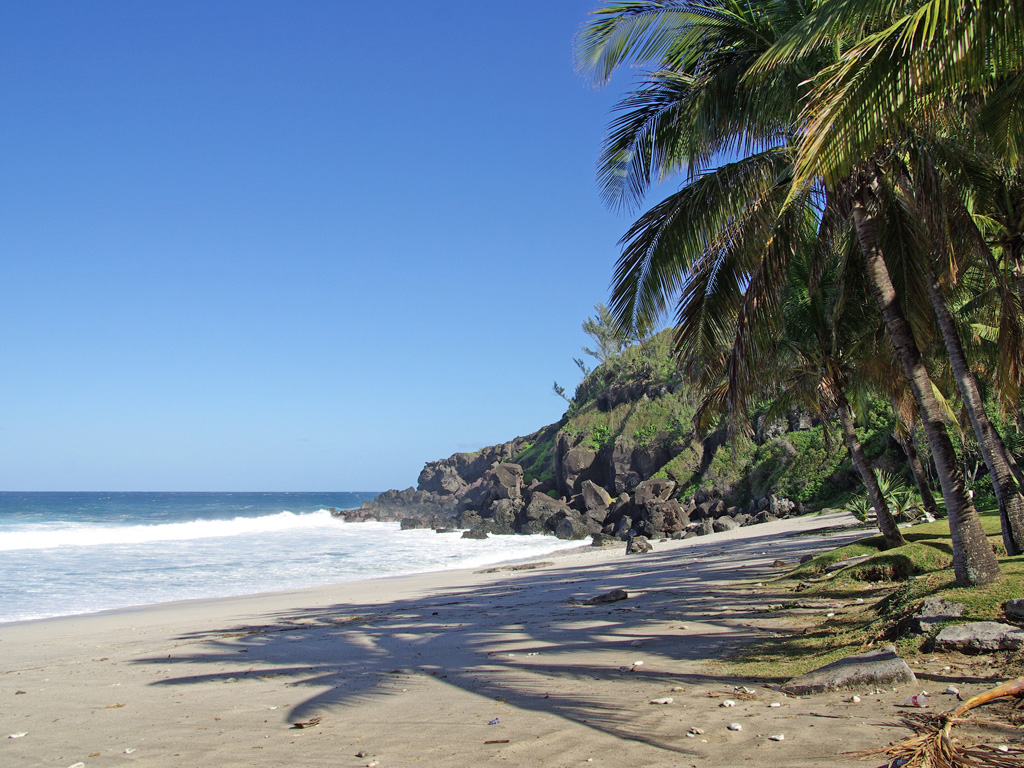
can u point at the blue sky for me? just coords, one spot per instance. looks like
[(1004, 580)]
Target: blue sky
[(290, 246)]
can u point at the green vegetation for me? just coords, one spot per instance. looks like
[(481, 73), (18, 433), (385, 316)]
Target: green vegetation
[(893, 584)]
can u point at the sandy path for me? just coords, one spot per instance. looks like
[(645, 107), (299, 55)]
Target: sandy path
[(414, 671)]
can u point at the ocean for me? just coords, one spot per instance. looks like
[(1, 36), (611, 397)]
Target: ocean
[(65, 554)]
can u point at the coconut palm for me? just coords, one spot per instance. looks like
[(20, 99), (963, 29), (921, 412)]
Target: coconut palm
[(722, 242)]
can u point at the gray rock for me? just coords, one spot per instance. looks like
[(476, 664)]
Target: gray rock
[(603, 540), (1014, 609), (474, 533), (980, 636), (724, 523), (706, 527), (637, 545), (609, 597), (933, 611), (875, 669)]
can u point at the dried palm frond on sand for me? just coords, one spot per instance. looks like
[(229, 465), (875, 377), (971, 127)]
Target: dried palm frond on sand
[(935, 747)]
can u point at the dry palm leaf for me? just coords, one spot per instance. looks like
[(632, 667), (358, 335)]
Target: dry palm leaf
[(935, 747)]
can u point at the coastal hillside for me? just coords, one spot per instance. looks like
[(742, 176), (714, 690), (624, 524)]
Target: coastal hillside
[(626, 460)]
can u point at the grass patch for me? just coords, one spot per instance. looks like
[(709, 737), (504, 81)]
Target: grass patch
[(902, 578)]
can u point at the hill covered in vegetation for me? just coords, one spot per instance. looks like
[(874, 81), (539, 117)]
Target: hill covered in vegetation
[(626, 459)]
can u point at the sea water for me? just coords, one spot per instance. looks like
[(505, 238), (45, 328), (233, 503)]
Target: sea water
[(63, 554)]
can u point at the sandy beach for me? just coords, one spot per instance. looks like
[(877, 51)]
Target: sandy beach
[(462, 668)]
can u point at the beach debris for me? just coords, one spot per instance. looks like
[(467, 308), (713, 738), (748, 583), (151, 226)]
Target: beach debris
[(775, 704), (952, 690), (853, 700), (676, 689), (77, 765), (362, 755), (129, 750), (917, 700), (735, 727), (694, 732), (372, 764), (308, 723), (935, 744), (496, 741), (634, 668), (608, 597), (18, 735), (778, 737), (495, 721), (728, 703), (19, 693), (113, 706), (664, 700), (742, 690)]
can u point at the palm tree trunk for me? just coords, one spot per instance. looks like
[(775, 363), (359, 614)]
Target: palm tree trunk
[(974, 563), (920, 477), (993, 450), (886, 523)]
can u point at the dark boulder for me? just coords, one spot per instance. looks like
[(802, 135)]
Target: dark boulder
[(637, 545), (594, 497), (474, 533), (571, 526), (666, 516), (655, 489)]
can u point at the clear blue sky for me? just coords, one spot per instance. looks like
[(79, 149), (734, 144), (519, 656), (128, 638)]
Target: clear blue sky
[(289, 246)]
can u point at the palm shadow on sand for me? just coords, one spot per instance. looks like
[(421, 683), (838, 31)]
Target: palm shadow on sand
[(517, 640)]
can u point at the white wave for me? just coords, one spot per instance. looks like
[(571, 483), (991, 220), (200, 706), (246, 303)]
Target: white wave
[(70, 535)]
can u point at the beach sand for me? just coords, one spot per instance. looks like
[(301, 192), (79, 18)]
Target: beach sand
[(459, 668)]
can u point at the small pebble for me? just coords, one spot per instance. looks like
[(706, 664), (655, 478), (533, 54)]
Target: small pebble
[(728, 703), (775, 704), (372, 764), (854, 699), (129, 751), (637, 643), (77, 765), (677, 689), (952, 690), (778, 737), (946, 669), (735, 727), (829, 615), (860, 599), (666, 700), (696, 731), (1003, 747)]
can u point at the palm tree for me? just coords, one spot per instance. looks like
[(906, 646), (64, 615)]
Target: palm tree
[(823, 346), (724, 240)]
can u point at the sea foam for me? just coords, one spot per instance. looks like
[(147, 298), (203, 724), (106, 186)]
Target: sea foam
[(52, 535)]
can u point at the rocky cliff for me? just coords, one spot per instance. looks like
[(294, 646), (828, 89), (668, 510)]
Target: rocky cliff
[(625, 461)]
